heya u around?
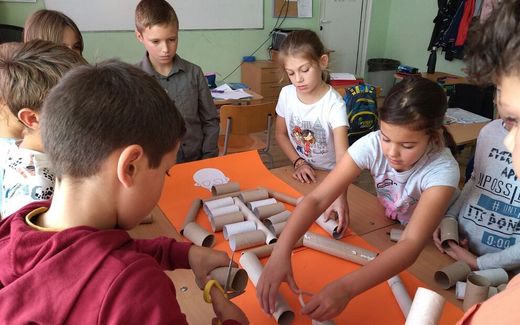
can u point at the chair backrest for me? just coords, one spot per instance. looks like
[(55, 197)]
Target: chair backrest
[(10, 33), (246, 118)]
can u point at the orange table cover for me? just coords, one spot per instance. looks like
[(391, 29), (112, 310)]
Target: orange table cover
[(312, 269)]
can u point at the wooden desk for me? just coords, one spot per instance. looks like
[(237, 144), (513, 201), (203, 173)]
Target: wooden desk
[(465, 133), (450, 79), (254, 99)]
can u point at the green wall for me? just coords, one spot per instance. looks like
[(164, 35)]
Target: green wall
[(399, 29)]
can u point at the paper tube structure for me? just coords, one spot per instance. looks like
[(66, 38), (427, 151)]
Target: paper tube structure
[(225, 188), (218, 223), (401, 295), (278, 228), (283, 197), (269, 236), (502, 287), (246, 240), (283, 313), (426, 308), (218, 203), (198, 235), (277, 218), (269, 210), (496, 277), (254, 195), (253, 204), (313, 322), (330, 226), (477, 290), (238, 228), (237, 278), (460, 290), (338, 248), (448, 276), (217, 197), (449, 230), (395, 234), (266, 250), (215, 213), (192, 213)]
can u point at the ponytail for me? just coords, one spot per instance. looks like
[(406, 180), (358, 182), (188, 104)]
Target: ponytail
[(449, 141)]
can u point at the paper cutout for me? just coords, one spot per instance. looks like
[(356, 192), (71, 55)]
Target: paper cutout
[(208, 177)]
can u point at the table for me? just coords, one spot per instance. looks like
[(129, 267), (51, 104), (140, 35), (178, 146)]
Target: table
[(449, 79), (255, 98), (465, 133)]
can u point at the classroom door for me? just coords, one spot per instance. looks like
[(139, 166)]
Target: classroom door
[(340, 31)]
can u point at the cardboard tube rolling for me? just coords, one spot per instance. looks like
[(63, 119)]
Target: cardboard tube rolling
[(449, 230), (246, 239), (198, 235), (330, 226), (401, 295), (218, 223), (477, 290), (254, 195), (192, 213), (496, 277), (283, 312), (426, 308), (277, 218), (225, 188), (270, 238), (283, 197), (338, 248), (238, 228), (237, 279), (395, 234), (266, 211), (448, 276)]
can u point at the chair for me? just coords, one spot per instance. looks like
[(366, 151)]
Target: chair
[(10, 33), (240, 121)]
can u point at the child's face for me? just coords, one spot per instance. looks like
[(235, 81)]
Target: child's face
[(304, 74), (71, 40), (508, 102), (160, 41), (402, 146)]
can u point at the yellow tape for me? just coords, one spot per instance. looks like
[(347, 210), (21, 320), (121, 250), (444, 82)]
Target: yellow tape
[(207, 290)]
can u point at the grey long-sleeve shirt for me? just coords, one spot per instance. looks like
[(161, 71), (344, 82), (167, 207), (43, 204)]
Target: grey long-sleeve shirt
[(189, 90), (488, 209)]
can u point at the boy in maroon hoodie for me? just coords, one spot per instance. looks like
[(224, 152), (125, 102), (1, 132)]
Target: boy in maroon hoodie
[(112, 134)]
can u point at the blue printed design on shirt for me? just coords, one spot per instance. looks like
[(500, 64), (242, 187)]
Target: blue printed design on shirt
[(497, 241)]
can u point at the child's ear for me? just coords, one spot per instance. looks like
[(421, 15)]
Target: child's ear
[(129, 164), (29, 118), (324, 61), (139, 36)]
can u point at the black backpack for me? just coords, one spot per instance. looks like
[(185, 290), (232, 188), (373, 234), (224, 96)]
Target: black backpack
[(361, 101)]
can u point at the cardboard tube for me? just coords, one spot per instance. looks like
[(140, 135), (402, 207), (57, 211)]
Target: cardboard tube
[(277, 218), (217, 197), (253, 204), (270, 238), (395, 234), (254, 195), (460, 290), (477, 290), (215, 213), (198, 235), (283, 197), (238, 228), (338, 248), (266, 250), (266, 211), (302, 303), (496, 277), (218, 203), (449, 230), (277, 228), (283, 312), (237, 278), (401, 295), (449, 275), (330, 226), (192, 213), (218, 223), (246, 240), (426, 308), (148, 219), (225, 188)]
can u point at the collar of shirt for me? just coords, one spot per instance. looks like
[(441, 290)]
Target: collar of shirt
[(178, 65)]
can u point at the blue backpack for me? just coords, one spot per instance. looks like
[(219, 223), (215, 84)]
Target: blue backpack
[(361, 101)]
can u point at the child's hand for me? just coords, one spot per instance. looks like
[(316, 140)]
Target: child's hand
[(204, 260), (225, 310), (437, 239), (328, 303), (340, 208), (460, 253), (304, 173)]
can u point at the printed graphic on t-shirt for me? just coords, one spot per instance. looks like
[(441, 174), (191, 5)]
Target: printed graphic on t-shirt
[(309, 136), (498, 206), (394, 198)]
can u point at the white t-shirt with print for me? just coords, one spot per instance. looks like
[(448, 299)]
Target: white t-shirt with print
[(310, 126), (28, 177), (399, 192)]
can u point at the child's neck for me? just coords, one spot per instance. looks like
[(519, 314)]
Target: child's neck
[(315, 95), (32, 141), (162, 69)]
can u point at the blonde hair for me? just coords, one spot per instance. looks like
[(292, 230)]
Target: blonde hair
[(32, 70), (149, 13), (49, 25)]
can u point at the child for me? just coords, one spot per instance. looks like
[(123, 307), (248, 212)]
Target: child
[(157, 29), (25, 79), (311, 127), (54, 26), (112, 134), (487, 209), (415, 177), (493, 56)]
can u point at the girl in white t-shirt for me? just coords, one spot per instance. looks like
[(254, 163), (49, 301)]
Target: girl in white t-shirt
[(311, 127), (416, 177)]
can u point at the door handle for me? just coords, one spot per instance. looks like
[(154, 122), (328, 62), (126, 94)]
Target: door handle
[(324, 21)]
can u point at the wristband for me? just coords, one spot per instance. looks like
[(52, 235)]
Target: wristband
[(297, 159)]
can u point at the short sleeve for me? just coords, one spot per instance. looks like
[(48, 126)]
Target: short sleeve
[(338, 114), (282, 102), (365, 150), (443, 171)]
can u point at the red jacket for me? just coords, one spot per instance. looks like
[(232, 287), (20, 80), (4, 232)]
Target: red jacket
[(86, 276)]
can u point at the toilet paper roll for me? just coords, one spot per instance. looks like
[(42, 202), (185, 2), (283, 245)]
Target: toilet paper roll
[(246, 240), (448, 276), (449, 229), (218, 223), (426, 308), (254, 195), (198, 235), (266, 211), (225, 188), (477, 290), (238, 228)]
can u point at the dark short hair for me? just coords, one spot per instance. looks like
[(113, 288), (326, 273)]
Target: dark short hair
[(95, 110), (149, 13), (493, 47), (31, 70), (419, 104)]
